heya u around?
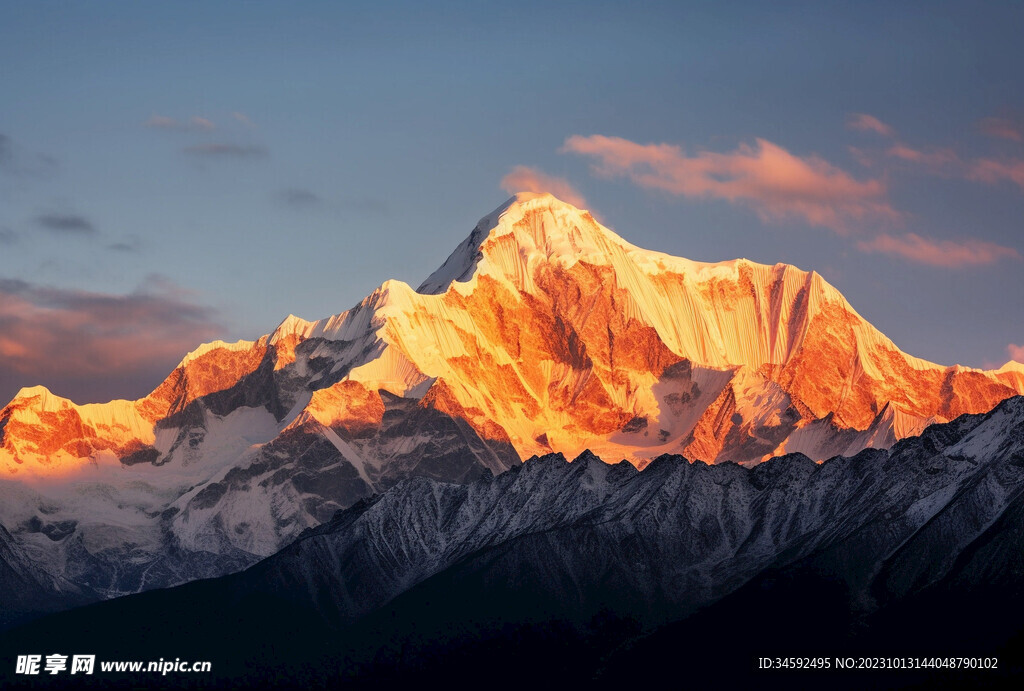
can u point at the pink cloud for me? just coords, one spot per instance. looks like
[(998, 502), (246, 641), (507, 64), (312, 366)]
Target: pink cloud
[(860, 156), (1003, 128), (946, 162), (776, 184), (1016, 352), (946, 253), (935, 160), (96, 346), (526, 179), (992, 171), (868, 123)]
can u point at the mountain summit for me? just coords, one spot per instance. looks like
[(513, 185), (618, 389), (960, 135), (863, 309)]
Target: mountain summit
[(543, 332), (546, 331)]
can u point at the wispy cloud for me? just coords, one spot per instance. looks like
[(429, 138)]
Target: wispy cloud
[(220, 150), (15, 160), (66, 224), (298, 197), (944, 253), (860, 156), (936, 160), (1004, 128), (992, 171), (96, 345), (863, 122), (776, 184), (526, 179), (193, 124), (244, 119), (130, 244), (1016, 352)]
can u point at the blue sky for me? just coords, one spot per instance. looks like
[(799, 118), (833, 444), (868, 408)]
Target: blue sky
[(176, 172)]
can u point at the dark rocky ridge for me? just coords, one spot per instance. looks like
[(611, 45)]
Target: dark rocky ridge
[(574, 571)]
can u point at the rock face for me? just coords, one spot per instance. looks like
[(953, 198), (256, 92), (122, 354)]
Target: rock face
[(27, 590), (585, 535), (428, 566), (544, 332)]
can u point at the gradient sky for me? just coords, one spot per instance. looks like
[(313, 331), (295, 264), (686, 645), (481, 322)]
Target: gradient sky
[(171, 173)]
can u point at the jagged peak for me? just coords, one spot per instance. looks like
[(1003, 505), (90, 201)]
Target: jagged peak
[(391, 295), (40, 399), (215, 345), (565, 232), (288, 326), (530, 230), (1012, 366), (47, 399), (561, 232), (32, 391)]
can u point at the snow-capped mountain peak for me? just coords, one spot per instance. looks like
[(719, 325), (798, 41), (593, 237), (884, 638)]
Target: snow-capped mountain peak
[(544, 332)]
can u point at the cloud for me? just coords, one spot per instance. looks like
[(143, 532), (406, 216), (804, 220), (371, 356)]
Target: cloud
[(863, 122), (225, 151), (946, 162), (298, 198), (773, 182), (1003, 128), (526, 179), (935, 160), (66, 224), (193, 124), (15, 160), (244, 119), (944, 253), (993, 171), (96, 346), (129, 244), (861, 156), (162, 122), (1016, 352)]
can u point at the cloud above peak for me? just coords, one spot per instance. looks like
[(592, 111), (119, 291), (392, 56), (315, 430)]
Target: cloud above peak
[(526, 179), (774, 183), (96, 346), (950, 254), (862, 122)]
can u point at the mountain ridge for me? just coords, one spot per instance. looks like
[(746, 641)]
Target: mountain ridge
[(531, 232), (562, 337)]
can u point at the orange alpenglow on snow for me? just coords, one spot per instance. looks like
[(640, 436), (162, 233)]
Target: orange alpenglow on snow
[(543, 331)]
